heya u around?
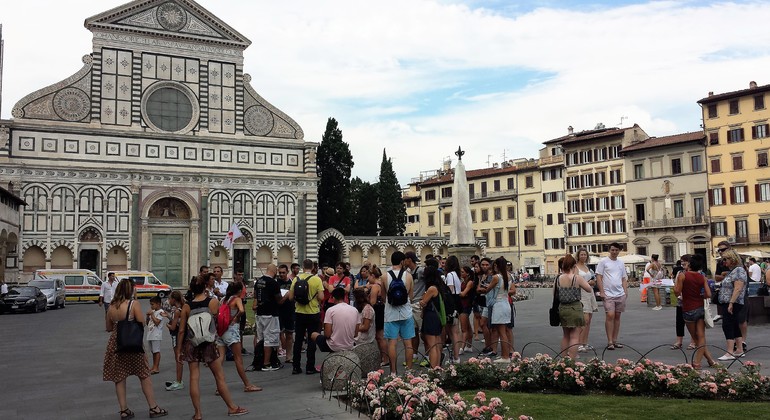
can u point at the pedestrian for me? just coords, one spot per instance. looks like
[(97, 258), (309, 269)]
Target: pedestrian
[(411, 263), (588, 299), (479, 301), (500, 315), (177, 302), (307, 294), (285, 314), (106, 291), (119, 366), (238, 278), (483, 289), (569, 288), (732, 299), (681, 267), (156, 322), (467, 297), (653, 272), (377, 300), (267, 294), (365, 333), (220, 286), (755, 272), (339, 279), (399, 321), (720, 273), (231, 338), (340, 326), (454, 285), (693, 287), (360, 281), (432, 326), (613, 289), (206, 352)]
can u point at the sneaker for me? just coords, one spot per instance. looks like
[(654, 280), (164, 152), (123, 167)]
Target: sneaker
[(281, 353), (657, 308), (424, 363), (175, 386), (456, 361), (501, 360), (468, 349), (270, 368), (485, 351), (726, 357), (717, 318), (582, 349), (461, 351), (491, 354)]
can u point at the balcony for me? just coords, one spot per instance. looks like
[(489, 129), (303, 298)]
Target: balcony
[(671, 223), (550, 160), (753, 238), (493, 195)]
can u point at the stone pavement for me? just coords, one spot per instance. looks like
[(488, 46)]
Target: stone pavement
[(51, 365)]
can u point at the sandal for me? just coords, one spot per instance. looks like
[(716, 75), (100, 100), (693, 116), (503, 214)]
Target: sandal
[(697, 366), (676, 347), (692, 346), (157, 412), (252, 388), (618, 346), (238, 412), (610, 346), (126, 414)]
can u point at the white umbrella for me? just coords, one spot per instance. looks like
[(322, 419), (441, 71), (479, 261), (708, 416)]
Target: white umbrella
[(634, 259), (756, 253), (594, 259)]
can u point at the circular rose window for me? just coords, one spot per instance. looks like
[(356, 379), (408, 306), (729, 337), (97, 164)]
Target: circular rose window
[(170, 108)]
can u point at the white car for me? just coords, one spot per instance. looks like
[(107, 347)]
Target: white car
[(54, 291)]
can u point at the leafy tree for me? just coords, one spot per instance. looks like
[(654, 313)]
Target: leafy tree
[(334, 163), (390, 206), (364, 196)]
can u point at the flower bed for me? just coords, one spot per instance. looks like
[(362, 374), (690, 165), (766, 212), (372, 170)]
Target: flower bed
[(418, 397)]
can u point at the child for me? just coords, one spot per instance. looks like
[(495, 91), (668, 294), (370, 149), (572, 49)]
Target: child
[(156, 320), (177, 302)]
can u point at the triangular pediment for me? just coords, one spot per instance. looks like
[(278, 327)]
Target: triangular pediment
[(175, 18)]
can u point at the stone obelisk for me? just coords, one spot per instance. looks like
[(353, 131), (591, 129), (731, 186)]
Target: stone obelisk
[(461, 240)]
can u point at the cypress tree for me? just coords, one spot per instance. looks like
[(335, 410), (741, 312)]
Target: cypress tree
[(391, 210), (364, 196), (334, 163)]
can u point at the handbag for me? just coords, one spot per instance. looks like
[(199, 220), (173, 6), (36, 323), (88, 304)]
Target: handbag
[(707, 314), (763, 291), (130, 334), (553, 313)]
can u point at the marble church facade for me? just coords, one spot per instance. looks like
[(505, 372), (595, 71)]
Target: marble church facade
[(146, 156)]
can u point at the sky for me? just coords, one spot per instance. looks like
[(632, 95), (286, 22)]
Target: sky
[(419, 78)]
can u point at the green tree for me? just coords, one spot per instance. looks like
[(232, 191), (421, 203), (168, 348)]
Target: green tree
[(334, 163), (391, 210), (364, 195)]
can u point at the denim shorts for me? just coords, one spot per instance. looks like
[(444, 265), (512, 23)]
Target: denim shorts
[(403, 328), (230, 337), (694, 315)]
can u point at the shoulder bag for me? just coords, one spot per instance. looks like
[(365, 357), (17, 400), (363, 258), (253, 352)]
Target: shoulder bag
[(130, 334), (553, 313)]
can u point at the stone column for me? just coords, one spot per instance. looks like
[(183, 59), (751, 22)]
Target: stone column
[(203, 253), (134, 258)]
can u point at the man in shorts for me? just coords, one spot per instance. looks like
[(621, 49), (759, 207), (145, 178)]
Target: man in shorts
[(418, 281), (266, 297), (399, 321), (613, 288)]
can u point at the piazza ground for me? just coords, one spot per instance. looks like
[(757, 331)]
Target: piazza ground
[(52, 364)]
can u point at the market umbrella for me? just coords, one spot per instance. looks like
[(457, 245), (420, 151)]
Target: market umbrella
[(634, 259)]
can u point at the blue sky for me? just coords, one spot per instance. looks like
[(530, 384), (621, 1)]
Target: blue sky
[(421, 77)]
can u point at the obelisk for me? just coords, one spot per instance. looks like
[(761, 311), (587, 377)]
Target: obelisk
[(461, 239)]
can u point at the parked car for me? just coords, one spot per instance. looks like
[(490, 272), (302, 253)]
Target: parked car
[(54, 291), (24, 298), (79, 284), (146, 284)]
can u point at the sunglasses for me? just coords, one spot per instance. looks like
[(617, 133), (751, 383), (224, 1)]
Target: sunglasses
[(721, 249)]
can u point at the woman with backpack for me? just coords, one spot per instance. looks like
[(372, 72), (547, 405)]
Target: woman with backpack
[(454, 285), (231, 332), (196, 345), (432, 326)]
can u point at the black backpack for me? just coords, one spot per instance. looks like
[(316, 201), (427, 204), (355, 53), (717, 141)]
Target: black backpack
[(397, 293), (302, 290), (449, 301)]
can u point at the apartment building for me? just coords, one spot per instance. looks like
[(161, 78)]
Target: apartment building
[(552, 186), (594, 188), (667, 196), (736, 126), (506, 208)]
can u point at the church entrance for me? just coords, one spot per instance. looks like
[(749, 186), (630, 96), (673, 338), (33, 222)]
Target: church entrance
[(88, 259), (167, 258)]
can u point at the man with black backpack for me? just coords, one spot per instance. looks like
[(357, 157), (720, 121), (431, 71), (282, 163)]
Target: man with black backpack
[(399, 322), (307, 294)]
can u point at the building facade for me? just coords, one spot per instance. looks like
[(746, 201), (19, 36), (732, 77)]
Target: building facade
[(667, 196), (737, 132), (10, 227), (146, 156), (552, 185), (594, 188)]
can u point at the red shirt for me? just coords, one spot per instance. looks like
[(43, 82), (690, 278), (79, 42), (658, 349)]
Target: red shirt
[(335, 281), (692, 291)]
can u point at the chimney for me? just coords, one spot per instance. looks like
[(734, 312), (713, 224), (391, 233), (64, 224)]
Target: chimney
[(570, 130), (711, 93), (752, 85)]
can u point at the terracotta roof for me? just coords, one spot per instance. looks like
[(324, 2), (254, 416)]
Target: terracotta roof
[(652, 142), (480, 173), (734, 94), (12, 196), (588, 135)]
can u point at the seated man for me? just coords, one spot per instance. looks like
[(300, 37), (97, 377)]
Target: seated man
[(340, 325)]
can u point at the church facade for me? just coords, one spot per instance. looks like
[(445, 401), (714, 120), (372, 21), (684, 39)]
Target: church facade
[(147, 155)]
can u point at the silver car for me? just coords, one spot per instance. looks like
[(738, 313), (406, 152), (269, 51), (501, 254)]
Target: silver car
[(53, 289)]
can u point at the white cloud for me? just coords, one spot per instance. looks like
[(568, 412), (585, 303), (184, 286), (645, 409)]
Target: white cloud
[(404, 74)]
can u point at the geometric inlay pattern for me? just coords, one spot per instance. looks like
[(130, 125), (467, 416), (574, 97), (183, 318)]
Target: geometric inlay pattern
[(258, 120), (71, 104)]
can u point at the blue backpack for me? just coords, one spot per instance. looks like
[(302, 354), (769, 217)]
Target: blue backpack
[(397, 293)]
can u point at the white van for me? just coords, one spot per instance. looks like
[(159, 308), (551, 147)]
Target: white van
[(147, 285), (79, 285), (54, 291)]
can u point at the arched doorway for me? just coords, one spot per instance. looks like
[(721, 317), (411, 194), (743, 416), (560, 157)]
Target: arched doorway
[(170, 242), (242, 249), (88, 256), (330, 252), (34, 259), (117, 259), (61, 257)]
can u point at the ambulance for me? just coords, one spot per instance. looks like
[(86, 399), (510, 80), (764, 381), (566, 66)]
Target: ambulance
[(80, 285), (147, 285)]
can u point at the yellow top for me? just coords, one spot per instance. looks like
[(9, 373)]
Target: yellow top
[(315, 289)]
